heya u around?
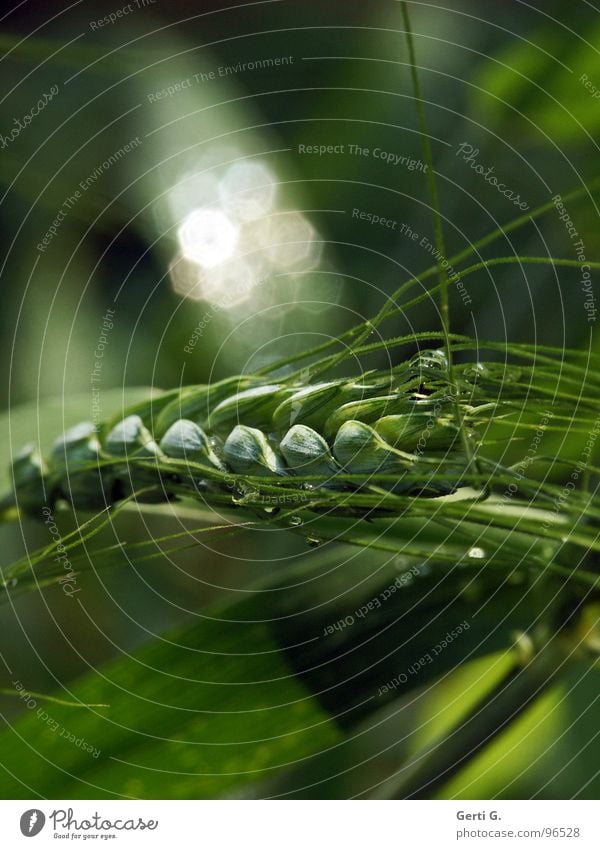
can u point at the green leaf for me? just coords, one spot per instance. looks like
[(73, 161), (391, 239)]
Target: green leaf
[(200, 711), (542, 90), (391, 736)]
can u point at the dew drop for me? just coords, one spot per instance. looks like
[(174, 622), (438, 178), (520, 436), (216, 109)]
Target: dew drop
[(476, 553), (476, 372), (429, 360), (295, 520)]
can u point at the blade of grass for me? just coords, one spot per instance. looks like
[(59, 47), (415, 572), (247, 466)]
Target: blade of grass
[(22, 694)]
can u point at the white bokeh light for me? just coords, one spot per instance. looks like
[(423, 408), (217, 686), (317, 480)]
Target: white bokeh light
[(231, 283), (208, 237), (186, 278), (291, 244), (254, 237), (247, 190), (232, 236), (228, 284), (191, 192)]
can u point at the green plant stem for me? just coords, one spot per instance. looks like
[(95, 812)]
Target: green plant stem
[(326, 363), (429, 770), (21, 694), (503, 230), (431, 182)]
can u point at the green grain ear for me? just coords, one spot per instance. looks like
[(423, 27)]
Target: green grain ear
[(196, 402), (417, 430), (313, 405), (253, 407), (132, 457), (30, 480), (130, 437), (368, 410), (76, 448), (361, 450), (247, 452), (76, 464), (350, 468), (185, 440), (306, 452)]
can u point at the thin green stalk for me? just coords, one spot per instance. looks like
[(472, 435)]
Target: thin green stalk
[(474, 247), (431, 182), (426, 772), (22, 694), (435, 209), (329, 362)]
